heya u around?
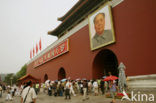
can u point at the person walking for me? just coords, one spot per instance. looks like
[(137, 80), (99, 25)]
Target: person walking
[(1, 91), (50, 90), (102, 86), (67, 90), (71, 88), (85, 88), (89, 86), (4, 88), (95, 87), (28, 94), (113, 90), (8, 96), (37, 88), (61, 89), (17, 91)]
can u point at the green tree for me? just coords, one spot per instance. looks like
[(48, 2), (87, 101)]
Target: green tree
[(10, 79), (22, 72)]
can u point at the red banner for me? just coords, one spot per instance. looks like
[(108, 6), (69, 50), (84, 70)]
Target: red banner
[(53, 53)]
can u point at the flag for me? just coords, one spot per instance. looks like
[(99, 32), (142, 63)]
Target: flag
[(36, 48), (33, 52), (30, 54), (40, 45)]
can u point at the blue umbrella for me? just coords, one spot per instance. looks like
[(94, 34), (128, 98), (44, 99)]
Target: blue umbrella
[(63, 80), (84, 79), (104, 77)]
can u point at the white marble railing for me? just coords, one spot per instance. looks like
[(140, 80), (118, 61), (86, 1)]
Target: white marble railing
[(144, 81)]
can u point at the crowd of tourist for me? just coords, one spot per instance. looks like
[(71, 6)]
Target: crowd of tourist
[(11, 91), (79, 87), (64, 88)]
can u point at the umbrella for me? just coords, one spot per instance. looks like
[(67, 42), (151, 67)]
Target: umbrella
[(110, 78), (63, 80), (122, 77), (104, 77), (47, 81), (77, 79), (84, 79)]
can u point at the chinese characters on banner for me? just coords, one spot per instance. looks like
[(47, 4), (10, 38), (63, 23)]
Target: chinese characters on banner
[(53, 53)]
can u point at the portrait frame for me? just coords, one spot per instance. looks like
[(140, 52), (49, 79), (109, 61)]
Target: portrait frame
[(106, 9)]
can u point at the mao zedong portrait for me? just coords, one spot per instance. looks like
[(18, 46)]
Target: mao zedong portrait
[(102, 37)]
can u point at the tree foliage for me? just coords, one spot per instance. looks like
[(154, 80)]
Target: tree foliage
[(12, 78), (22, 72)]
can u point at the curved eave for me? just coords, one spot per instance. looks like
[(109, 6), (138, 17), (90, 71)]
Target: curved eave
[(77, 5), (79, 13), (27, 76)]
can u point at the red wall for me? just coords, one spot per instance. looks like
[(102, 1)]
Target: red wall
[(134, 23), (77, 62)]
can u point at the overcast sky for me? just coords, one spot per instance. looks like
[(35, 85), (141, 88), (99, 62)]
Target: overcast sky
[(22, 24)]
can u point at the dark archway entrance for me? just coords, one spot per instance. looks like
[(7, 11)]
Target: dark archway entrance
[(61, 74), (105, 62), (45, 77)]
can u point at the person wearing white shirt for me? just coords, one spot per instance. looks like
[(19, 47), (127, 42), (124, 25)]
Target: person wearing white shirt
[(95, 87), (28, 94), (8, 96), (71, 89)]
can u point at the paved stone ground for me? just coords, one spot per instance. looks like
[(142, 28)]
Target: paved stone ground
[(44, 98)]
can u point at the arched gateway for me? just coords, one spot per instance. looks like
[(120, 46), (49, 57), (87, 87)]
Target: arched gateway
[(104, 62), (45, 77), (61, 74)]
